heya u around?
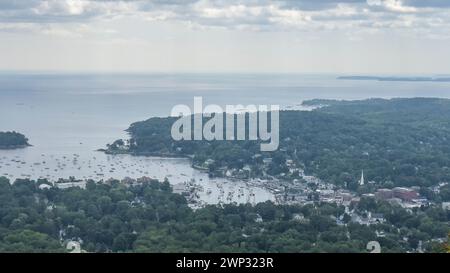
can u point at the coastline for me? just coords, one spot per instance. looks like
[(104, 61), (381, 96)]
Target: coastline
[(164, 155), (15, 147), (170, 155)]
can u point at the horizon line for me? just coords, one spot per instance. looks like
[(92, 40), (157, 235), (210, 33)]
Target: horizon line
[(154, 72)]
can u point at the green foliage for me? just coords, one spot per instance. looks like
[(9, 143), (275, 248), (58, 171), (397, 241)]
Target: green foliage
[(27, 241), (148, 217), (398, 142), (10, 140)]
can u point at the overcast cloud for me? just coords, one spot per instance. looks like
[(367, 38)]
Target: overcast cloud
[(231, 13), (133, 21)]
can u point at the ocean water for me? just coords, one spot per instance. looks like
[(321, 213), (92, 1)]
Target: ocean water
[(67, 117)]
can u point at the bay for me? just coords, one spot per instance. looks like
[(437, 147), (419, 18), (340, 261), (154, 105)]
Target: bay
[(67, 117)]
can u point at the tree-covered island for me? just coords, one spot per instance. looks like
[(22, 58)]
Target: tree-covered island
[(12, 140)]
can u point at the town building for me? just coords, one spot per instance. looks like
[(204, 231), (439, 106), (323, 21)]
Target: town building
[(405, 194), (384, 194), (446, 205)]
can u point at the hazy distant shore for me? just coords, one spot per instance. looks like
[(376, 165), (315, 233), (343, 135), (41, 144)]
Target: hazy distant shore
[(396, 79)]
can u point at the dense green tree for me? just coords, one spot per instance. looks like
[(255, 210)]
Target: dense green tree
[(148, 217), (11, 140)]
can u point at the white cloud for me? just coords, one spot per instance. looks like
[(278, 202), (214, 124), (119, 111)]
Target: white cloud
[(64, 7), (392, 5), (251, 15)]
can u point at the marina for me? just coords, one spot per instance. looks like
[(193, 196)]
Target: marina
[(99, 166), (68, 117)]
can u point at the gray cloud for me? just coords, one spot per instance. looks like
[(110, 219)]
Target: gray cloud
[(251, 14), (318, 5), (428, 3)]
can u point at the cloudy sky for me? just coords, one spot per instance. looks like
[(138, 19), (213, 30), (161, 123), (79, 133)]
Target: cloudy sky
[(302, 36)]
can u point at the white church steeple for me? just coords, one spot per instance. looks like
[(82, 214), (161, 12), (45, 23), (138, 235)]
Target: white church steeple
[(361, 181)]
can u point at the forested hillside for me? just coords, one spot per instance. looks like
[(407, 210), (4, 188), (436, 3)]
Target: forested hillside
[(398, 142)]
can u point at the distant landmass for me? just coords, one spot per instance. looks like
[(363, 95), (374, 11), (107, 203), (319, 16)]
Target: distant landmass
[(12, 140), (395, 79)]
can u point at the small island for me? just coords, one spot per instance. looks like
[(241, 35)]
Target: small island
[(12, 140)]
